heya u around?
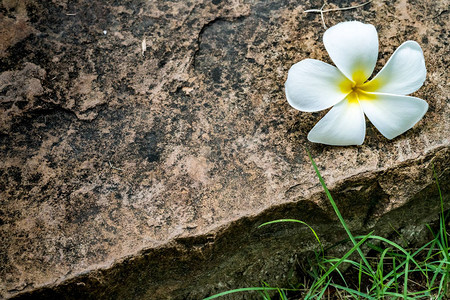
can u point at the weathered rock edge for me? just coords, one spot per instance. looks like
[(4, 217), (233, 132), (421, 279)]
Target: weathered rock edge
[(248, 254)]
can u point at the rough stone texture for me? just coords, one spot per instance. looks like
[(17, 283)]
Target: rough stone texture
[(143, 175)]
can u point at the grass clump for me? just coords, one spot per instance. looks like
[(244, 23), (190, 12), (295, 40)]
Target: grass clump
[(394, 273)]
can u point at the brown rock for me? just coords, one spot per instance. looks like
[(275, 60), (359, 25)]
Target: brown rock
[(143, 175), (13, 27)]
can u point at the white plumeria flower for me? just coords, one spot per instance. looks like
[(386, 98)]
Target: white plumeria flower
[(313, 85)]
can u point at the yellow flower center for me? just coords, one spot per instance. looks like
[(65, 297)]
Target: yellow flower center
[(357, 88), (352, 89)]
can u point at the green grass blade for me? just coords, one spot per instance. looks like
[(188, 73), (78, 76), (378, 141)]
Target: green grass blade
[(282, 294), (360, 275), (338, 213), (296, 221), (362, 269), (396, 285), (380, 268), (324, 290), (242, 290), (352, 291), (409, 257), (405, 282), (264, 295), (395, 273), (442, 228), (322, 279), (381, 250), (399, 296)]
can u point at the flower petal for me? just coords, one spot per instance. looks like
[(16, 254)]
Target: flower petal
[(392, 115), (403, 74), (313, 85), (353, 47), (343, 125)]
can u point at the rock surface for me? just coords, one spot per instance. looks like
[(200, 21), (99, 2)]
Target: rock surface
[(132, 174)]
